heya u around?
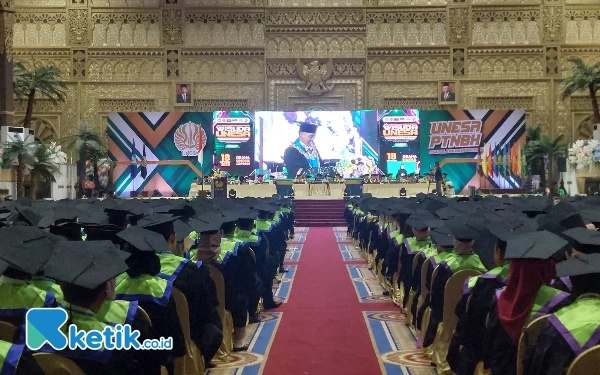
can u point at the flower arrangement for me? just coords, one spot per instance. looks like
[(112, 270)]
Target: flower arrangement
[(584, 154)]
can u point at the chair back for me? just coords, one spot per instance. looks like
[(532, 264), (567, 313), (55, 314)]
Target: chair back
[(424, 289), (226, 319), (53, 364), (7, 332), (586, 363), (453, 293), (529, 338), (145, 315), (187, 243), (193, 361)]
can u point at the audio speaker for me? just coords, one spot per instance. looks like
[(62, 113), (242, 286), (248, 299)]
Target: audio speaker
[(562, 164)]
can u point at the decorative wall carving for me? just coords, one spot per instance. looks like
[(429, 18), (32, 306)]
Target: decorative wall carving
[(40, 105), (504, 26), (283, 94), (413, 28), (521, 102), (420, 103), (553, 24), (315, 46), (378, 93), (125, 29), (579, 103), (126, 54), (499, 67), (426, 68), (539, 91), (582, 26), (459, 25), (224, 29), (126, 105), (221, 70), (79, 26), (40, 30)]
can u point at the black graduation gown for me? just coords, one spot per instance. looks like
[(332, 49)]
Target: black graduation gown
[(436, 302), (143, 362), (406, 260), (294, 160), (466, 347), (28, 365), (239, 281), (501, 354), (415, 284), (552, 355), (165, 322), (205, 324), (426, 303), (265, 269)]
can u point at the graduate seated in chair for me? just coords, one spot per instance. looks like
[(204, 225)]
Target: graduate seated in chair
[(465, 231), (194, 282), (572, 329), (466, 347), (14, 360), (526, 297), (86, 272), (141, 283), (24, 253)]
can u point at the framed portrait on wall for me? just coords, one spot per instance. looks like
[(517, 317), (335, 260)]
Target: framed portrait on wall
[(447, 92), (183, 94)]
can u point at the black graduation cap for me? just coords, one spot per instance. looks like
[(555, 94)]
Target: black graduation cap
[(156, 220), (584, 240), (441, 237), (507, 229), (447, 213), (433, 224), (417, 220), (28, 214), (3, 266), (182, 230), (86, 264), (143, 240), (465, 228), (535, 245), (25, 248), (591, 215), (484, 247), (307, 127), (582, 264), (207, 223)]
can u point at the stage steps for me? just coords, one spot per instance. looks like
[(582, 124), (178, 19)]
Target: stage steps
[(319, 212)]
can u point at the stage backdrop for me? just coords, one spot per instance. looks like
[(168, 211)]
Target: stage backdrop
[(481, 148), (158, 150)]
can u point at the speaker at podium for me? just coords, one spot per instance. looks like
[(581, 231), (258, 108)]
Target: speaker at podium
[(219, 187)]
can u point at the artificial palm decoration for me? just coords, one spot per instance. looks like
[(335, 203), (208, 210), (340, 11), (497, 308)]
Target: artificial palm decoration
[(535, 166), (89, 145), (43, 81), (46, 165), (546, 148), (19, 155), (583, 77)]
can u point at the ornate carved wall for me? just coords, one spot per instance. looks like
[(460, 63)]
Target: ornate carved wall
[(128, 55)]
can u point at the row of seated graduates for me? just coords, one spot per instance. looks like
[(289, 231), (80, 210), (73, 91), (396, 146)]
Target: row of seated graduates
[(109, 262), (530, 260)]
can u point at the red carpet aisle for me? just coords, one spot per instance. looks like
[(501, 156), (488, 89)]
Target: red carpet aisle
[(323, 328)]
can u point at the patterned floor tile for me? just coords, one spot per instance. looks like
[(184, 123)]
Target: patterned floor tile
[(395, 344), (350, 252), (299, 237), (341, 237), (259, 337), (368, 289), (285, 286), (293, 253), (340, 229)]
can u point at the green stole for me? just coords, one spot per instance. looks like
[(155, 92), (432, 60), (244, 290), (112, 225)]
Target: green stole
[(579, 323), (144, 288)]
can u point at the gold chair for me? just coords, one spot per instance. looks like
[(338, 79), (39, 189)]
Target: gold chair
[(424, 290), (411, 295), (53, 364), (586, 363), (453, 293), (7, 332), (529, 337), (428, 351), (193, 361), (226, 318)]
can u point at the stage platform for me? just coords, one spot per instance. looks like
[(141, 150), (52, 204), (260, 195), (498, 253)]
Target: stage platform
[(320, 190)]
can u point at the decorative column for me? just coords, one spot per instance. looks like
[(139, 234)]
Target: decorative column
[(7, 110)]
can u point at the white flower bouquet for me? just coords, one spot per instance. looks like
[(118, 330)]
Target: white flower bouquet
[(583, 154)]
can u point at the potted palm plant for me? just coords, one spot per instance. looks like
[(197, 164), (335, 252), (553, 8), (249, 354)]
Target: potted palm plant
[(546, 149), (89, 145), (18, 155), (46, 165), (583, 77), (42, 81)]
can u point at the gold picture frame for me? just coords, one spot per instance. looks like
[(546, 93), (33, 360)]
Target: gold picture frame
[(184, 94), (448, 92)]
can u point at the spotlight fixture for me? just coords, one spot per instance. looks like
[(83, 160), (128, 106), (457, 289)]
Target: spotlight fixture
[(403, 192), (232, 193)]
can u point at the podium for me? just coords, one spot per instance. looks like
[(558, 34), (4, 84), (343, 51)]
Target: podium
[(219, 187)]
